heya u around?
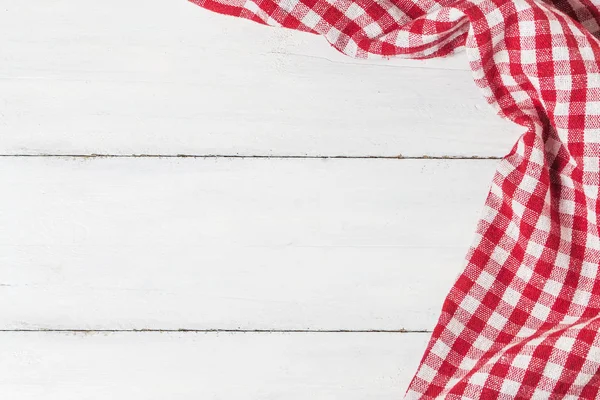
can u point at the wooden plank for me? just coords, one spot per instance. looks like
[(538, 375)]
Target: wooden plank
[(166, 77), (209, 366), (318, 244)]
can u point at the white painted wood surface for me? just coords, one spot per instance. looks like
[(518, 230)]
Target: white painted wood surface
[(166, 77), (223, 366), (195, 243), (224, 243)]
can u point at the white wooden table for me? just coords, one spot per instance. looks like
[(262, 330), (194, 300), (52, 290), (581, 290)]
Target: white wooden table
[(301, 249)]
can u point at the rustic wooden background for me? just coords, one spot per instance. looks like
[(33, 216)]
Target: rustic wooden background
[(301, 249)]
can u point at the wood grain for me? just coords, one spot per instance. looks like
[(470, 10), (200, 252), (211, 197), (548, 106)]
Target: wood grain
[(255, 244), (166, 77), (195, 243), (211, 366)]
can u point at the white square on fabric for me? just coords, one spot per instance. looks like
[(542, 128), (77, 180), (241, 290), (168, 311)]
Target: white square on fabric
[(521, 6), (593, 80), (544, 223), (395, 12), (479, 378), (513, 231), (521, 360), (502, 56), (528, 57), (591, 136), (354, 11), (483, 343), (591, 164), (592, 108), (535, 249), (562, 260), (402, 39), (455, 14), (582, 378), (556, 27), (426, 373), (565, 343), (311, 19), (333, 35), (497, 190), (587, 54), (540, 311), (591, 243), (537, 155), (535, 81), (485, 279), (497, 321), (582, 297), (529, 183), (440, 349), (565, 181), (589, 270), (590, 191), (523, 98), (566, 233), (561, 109), (524, 273), (470, 304), (560, 53), (495, 17), (373, 30), (541, 394), (288, 5), (563, 82), (434, 15), (455, 328), (552, 287), (510, 388), (500, 255), (527, 28), (511, 296), (553, 371), (525, 332), (567, 207), (518, 208), (467, 363)]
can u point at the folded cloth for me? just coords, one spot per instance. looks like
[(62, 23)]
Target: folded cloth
[(522, 320)]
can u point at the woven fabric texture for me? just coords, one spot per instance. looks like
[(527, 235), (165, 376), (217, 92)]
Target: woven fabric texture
[(523, 319)]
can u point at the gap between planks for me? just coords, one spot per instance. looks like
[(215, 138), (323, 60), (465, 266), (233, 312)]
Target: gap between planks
[(398, 157), (213, 331)]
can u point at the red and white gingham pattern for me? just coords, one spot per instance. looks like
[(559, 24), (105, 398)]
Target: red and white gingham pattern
[(522, 321)]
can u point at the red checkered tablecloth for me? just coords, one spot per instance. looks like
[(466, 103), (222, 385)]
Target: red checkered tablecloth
[(522, 321)]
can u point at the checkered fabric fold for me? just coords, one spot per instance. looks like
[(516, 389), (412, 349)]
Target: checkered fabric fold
[(522, 321)]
